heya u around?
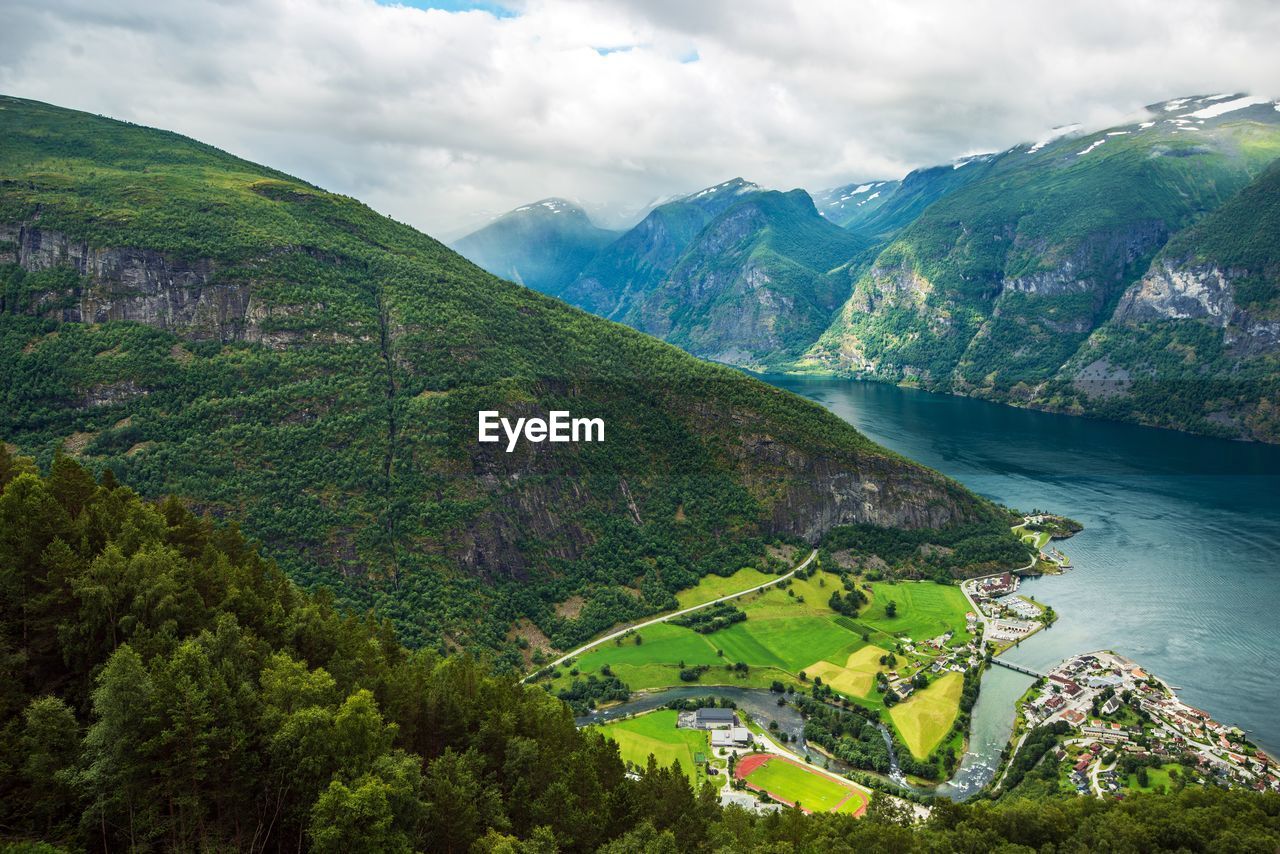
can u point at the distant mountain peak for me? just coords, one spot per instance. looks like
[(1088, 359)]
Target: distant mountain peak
[(552, 205), (737, 186)]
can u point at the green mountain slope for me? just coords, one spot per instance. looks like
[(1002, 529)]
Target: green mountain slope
[(919, 189), (756, 285), (1194, 344), (733, 273), (637, 262), (288, 358), (543, 245), (996, 285)]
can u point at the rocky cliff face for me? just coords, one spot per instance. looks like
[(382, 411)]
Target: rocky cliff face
[(1204, 293), (190, 298)]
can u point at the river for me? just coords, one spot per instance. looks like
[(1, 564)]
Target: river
[(1179, 563)]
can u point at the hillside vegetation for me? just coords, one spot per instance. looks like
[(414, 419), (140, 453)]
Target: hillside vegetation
[(163, 688), (994, 290), (288, 358)]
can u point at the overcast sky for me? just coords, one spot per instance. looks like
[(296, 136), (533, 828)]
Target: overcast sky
[(443, 114)]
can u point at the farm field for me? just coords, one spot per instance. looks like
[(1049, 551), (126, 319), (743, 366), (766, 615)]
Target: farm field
[(790, 781), (785, 631), (656, 733), (714, 586), (924, 719), (856, 677), (925, 609)]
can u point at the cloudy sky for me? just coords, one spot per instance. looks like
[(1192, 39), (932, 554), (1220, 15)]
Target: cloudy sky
[(443, 114)]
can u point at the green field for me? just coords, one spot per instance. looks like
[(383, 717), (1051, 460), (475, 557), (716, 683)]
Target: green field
[(714, 586), (925, 718), (925, 610), (810, 790), (1039, 539), (787, 631), (1156, 778), (656, 734)]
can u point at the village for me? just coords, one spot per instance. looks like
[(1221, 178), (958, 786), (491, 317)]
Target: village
[(1006, 617), (1129, 731)]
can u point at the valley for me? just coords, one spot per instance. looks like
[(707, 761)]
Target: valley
[(561, 427), (904, 653), (1124, 273), (292, 361)]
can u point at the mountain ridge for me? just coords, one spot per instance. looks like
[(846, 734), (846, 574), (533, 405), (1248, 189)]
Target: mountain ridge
[(984, 277)]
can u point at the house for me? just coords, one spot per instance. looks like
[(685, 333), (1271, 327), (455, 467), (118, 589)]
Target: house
[(714, 718), (1083, 763), (1073, 717)]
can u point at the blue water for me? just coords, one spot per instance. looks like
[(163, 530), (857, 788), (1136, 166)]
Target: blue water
[(1179, 563)]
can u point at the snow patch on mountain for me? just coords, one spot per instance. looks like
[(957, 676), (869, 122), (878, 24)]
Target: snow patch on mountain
[(1228, 107), (1091, 147), (1057, 133)]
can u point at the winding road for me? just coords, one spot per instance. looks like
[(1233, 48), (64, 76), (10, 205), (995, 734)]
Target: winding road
[(672, 615)]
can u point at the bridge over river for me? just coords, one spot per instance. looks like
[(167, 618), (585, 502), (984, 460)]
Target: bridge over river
[(1018, 667)]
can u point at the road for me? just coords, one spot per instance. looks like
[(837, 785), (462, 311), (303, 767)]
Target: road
[(1016, 748), (1095, 784), (672, 615)]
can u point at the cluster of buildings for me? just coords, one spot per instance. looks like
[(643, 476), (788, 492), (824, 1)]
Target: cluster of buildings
[(935, 658), (1090, 691), (1008, 617), (724, 725)]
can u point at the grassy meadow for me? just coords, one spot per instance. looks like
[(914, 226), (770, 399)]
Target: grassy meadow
[(656, 734), (925, 718)]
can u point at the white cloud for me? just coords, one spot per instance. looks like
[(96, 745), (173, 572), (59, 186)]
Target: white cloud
[(441, 119)]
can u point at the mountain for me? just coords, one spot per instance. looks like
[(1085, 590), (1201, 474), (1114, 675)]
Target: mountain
[(733, 273), (850, 204), (1194, 343), (543, 246), (993, 289), (288, 359), (637, 262), (919, 189)]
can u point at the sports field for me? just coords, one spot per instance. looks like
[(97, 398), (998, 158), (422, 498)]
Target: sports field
[(925, 609), (925, 718), (655, 733), (793, 783)]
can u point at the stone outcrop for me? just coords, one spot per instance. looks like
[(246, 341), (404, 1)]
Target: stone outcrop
[(191, 298)]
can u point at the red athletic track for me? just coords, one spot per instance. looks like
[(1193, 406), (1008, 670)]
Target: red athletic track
[(747, 764)]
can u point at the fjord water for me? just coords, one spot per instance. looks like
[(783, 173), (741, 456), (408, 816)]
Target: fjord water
[(1178, 565)]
